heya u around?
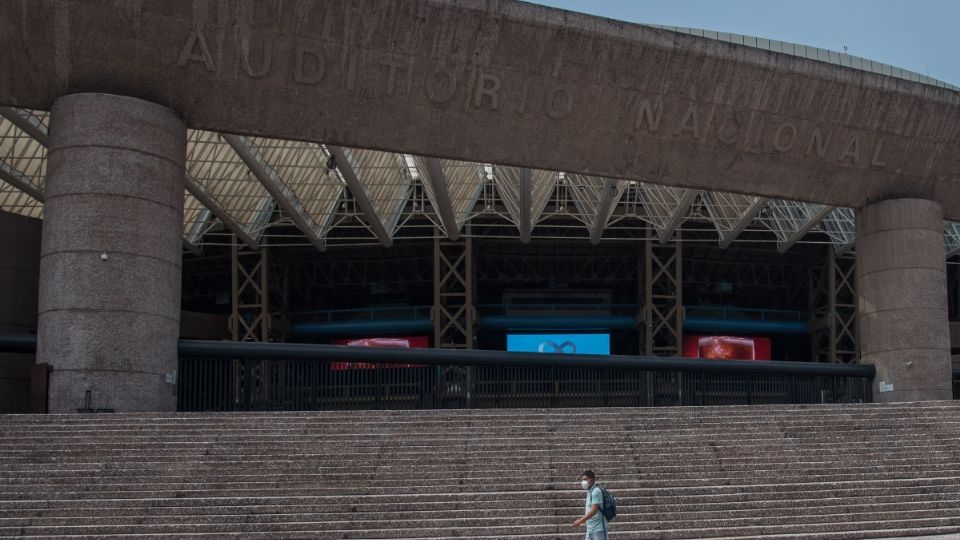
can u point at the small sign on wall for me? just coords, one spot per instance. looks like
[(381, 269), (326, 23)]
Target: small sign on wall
[(886, 387)]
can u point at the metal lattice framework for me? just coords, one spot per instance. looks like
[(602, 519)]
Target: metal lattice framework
[(454, 315), (833, 302), (250, 318), (254, 188), (663, 312)]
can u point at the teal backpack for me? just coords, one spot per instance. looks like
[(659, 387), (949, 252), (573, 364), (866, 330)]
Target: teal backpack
[(609, 508)]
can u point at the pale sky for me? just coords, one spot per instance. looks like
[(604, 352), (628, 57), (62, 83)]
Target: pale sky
[(918, 35)]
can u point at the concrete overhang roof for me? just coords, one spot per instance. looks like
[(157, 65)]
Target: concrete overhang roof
[(664, 126)]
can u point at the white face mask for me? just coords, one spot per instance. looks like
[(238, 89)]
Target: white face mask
[(584, 484)]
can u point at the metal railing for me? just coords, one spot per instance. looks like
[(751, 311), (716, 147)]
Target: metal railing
[(229, 376), (234, 376)]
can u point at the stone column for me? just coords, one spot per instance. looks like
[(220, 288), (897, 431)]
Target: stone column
[(902, 299), (109, 302)]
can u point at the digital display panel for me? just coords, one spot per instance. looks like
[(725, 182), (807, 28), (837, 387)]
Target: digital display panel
[(413, 342), (726, 347), (559, 343)]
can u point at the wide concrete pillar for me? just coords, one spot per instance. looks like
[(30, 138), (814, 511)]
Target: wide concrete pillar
[(110, 255), (902, 305)]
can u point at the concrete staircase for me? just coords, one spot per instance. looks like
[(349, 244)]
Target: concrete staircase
[(836, 471)]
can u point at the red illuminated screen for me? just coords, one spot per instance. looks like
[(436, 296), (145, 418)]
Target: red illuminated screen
[(413, 342), (726, 347)]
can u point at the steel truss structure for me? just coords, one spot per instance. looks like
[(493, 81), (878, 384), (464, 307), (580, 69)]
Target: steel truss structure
[(259, 290), (334, 196), (249, 320), (454, 312), (454, 316), (833, 309), (663, 298)]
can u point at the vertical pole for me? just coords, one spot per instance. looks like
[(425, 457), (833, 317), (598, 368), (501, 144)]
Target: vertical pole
[(648, 297), (832, 315)]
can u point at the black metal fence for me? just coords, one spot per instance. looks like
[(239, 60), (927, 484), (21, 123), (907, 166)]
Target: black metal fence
[(956, 383), (238, 376)]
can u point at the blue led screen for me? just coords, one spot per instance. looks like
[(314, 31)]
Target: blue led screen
[(559, 343)]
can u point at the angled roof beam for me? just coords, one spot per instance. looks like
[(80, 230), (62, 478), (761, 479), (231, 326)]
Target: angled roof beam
[(20, 181), (441, 197), (752, 212), (28, 124), (526, 203), (679, 213), (845, 248), (603, 209), (284, 196), (190, 246), (200, 193), (38, 131), (35, 129), (804, 229), (196, 230), (360, 195)]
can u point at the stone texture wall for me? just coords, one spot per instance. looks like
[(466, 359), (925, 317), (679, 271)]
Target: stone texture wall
[(19, 278), (109, 303), (503, 82), (902, 305)]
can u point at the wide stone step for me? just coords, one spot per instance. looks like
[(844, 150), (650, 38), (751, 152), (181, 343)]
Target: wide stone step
[(445, 510), (522, 448), (663, 494), (240, 427), (466, 519), (232, 426), (263, 438), (555, 468), (368, 475), (348, 463), (429, 529), (662, 418), (895, 534), (476, 500), (214, 481), (630, 511)]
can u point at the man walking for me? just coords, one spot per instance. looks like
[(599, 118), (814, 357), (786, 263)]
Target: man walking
[(592, 516)]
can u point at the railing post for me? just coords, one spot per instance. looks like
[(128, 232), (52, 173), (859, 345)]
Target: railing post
[(680, 388), (247, 383), (315, 384), (605, 384), (377, 385), (650, 389), (554, 386)]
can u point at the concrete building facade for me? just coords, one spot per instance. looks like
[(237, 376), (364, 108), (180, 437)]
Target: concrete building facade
[(506, 83)]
